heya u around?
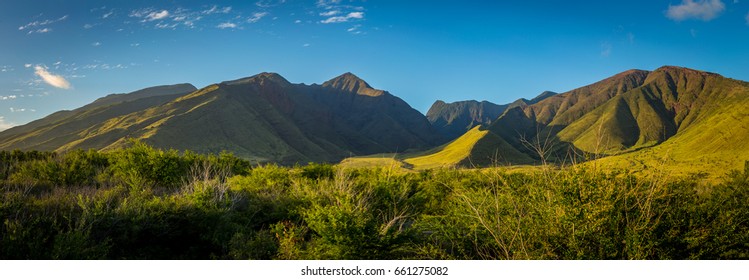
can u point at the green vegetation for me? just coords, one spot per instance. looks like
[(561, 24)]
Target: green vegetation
[(143, 203)]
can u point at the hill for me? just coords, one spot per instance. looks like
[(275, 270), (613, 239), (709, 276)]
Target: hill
[(264, 118)]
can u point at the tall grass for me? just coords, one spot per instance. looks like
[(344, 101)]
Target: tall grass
[(141, 203)]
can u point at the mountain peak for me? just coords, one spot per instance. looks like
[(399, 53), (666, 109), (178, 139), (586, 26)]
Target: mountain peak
[(262, 78), (684, 70), (351, 83), (542, 96)]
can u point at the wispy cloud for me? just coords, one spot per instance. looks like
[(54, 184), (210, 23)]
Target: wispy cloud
[(216, 10), (705, 10), (157, 15), (107, 15), (149, 14), (96, 44), (37, 26), (226, 25), (346, 18), (355, 29), (269, 3), (630, 37), (257, 17), (330, 13), (747, 18), (8, 97), (5, 124), (606, 49), (328, 4), (51, 79), (41, 30), (21, 110), (5, 68)]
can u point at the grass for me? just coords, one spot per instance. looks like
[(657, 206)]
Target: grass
[(451, 154), (142, 203)]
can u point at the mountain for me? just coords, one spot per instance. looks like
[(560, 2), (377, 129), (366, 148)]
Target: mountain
[(454, 119), (264, 118), (680, 114), (60, 128)]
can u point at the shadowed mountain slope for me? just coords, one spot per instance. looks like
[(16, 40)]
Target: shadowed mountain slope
[(453, 119)]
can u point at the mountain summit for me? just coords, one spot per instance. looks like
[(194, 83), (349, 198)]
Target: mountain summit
[(349, 82)]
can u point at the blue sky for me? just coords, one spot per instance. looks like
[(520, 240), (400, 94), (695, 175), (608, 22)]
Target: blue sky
[(57, 55)]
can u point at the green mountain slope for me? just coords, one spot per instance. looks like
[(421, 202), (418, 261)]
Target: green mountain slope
[(677, 113), (264, 118), (60, 128)]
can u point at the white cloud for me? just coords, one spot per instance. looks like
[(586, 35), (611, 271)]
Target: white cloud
[(257, 17), (330, 13), (5, 124), (27, 65), (216, 10), (297, 21), (107, 15), (42, 30), (226, 25), (269, 3), (95, 44), (165, 26), (346, 18), (88, 26), (327, 3), (306, 45), (37, 23), (51, 79), (21, 110), (705, 10), (8, 97), (157, 15), (747, 18)]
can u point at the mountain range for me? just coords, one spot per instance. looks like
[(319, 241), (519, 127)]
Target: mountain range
[(454, 119), (672, 115), (636, 117), (264, 118)]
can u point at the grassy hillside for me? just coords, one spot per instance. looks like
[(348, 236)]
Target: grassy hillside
[(687, 115)]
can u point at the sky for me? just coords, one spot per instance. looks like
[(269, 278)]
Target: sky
[(62, 54)]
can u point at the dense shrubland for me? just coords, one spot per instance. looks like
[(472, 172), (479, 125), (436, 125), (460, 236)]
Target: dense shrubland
[(142, 203)]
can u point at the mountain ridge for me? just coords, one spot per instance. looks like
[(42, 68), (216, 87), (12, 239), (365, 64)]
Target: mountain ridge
[(262, 117)]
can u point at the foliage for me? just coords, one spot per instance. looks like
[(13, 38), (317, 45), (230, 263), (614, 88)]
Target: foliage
[(143, 203)]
